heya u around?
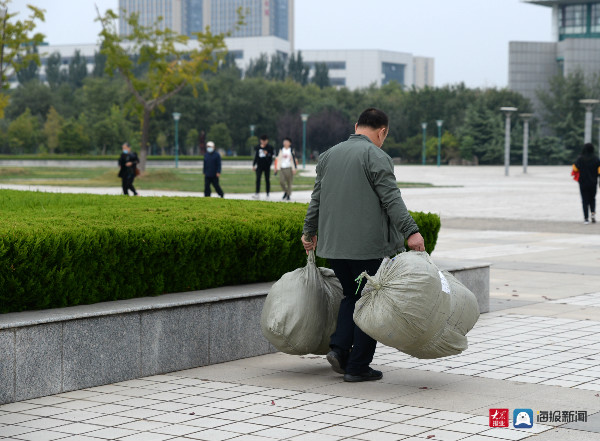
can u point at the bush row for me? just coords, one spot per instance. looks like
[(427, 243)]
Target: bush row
[(61, 250)]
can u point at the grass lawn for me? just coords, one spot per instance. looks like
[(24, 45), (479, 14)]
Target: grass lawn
[(233, 180)]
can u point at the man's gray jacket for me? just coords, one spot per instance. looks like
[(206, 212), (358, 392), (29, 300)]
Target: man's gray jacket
[(356, 205)]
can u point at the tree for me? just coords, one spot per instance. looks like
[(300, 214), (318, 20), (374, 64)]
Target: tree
[(219, 134), (73, 138), (297, 70), (52, 128), (161, 142), (99, 64), (77, 70), (171, 64), (32, 95), (192, 140), (15, 37), (277, 70), (258, 68), (54, 75), (29, 71), (321, 78), (24, 134)]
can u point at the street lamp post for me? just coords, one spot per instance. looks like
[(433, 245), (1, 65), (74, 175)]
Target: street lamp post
[(589, 106), (525, 117), (439, 123), (252, 127), (507, 111), (176, 117), (424, 126), (304, 117)]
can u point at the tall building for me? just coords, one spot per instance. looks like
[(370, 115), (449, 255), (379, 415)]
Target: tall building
[(263, 18), (575, 47)]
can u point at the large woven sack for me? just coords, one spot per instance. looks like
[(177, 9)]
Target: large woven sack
[(301, 309), (411, 305)]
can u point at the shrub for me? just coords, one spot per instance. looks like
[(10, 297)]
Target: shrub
[(60, 250)]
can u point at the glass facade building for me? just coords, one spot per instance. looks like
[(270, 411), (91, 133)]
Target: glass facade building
[(262, 17)]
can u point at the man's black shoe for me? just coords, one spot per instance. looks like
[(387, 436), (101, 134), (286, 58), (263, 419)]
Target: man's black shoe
[(336, 362), (370, 375)]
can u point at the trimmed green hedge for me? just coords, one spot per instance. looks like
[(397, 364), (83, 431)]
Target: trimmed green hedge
[(61, 250)]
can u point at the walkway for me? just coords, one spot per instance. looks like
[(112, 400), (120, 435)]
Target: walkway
[(538, 349)]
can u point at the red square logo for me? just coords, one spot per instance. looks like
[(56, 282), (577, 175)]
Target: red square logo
[(498, 417)]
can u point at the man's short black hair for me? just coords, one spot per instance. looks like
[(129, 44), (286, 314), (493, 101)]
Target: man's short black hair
[(264, 137), (288, 139), (588, 149), (373, 118)]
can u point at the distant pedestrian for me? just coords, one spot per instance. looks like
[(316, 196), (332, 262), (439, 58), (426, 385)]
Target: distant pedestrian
[(287, 166), (588, 167), (263, 158), (212, 169), (128, 162)]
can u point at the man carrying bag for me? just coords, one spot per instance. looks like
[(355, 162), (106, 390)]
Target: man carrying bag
[(358, 211)]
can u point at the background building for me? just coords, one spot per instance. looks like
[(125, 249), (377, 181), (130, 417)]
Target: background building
[(576, 46), (269, 30), (362, 68)]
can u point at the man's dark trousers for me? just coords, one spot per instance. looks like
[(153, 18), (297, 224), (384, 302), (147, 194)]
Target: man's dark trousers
[(267, 171), (347, 335), (214, 180)]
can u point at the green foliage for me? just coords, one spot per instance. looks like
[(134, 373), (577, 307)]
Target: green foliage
[(60, 250), (77, 70), (73, 138), (24, 133), (54, 75), (219, 134), (162, 66), (15, 39), (52, 129), (321, 77), (429, 227), (191, 141)]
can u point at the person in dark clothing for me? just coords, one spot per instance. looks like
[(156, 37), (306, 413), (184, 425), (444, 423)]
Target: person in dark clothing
[(128, 163), (588, 167), (263, 157), (212, 169)]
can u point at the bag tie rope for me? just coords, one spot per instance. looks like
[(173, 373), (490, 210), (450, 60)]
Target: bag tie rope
[(369, 278)]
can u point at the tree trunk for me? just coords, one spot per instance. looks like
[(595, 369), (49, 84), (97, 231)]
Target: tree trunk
[(144, 146)]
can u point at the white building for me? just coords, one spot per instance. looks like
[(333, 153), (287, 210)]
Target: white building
[(357, 68)]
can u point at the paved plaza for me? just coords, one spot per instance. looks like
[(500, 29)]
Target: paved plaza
[(538, 348)]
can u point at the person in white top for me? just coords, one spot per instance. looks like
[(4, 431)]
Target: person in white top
[(287, 165)]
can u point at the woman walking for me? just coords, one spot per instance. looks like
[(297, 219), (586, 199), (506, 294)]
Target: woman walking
[(588, 167)]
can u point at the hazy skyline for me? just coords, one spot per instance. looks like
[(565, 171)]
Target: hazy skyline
[(467, 38)]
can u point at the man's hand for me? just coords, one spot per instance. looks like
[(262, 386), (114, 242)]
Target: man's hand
[(253, 168), (218, 175), (309, 244), (128, 164), (416, 242), (294, 171)]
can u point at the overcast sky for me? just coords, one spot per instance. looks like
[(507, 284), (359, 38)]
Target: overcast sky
[(467, 38)]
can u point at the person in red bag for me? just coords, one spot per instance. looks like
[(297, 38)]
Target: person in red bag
[(587, 166), (358, 211)]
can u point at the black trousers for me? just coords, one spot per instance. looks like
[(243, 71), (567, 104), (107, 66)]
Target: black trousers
[(127, 182), (267, 171), (214, 180), (347, 335), (588, 199)]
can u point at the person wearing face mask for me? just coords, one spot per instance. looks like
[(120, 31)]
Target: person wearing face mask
[(360, 216), (128, 162), (212, 170)]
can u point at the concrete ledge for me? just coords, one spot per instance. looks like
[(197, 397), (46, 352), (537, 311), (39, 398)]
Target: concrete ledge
[(59, 350)]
